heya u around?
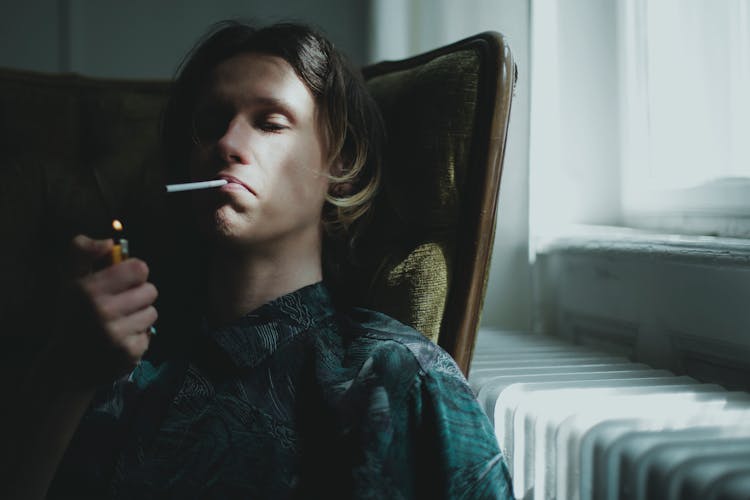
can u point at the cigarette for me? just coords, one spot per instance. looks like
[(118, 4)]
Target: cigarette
[(121, 249), (189, 186)]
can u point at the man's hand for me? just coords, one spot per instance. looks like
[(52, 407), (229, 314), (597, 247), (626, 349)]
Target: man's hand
[(106, 318)]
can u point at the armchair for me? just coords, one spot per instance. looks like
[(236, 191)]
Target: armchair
[(446, 114)]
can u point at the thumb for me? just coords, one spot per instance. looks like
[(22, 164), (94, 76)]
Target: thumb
[(86, 251)]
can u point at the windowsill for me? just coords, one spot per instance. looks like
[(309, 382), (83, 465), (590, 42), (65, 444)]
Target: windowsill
[(678, 302), (718, 207), (637, 243)]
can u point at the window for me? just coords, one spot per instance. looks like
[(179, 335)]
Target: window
[(640, 115), (685, 111)]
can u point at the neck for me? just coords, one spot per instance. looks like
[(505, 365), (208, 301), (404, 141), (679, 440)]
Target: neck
[(242, 279)]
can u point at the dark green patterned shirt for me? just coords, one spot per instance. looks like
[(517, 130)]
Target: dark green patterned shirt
[(294, 400)]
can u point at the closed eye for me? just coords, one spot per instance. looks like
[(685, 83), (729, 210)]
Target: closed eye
[(271, 127)]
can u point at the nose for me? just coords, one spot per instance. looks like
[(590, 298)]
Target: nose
[(234, 145)]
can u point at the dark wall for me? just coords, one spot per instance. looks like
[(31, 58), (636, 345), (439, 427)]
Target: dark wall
[(147, 39)]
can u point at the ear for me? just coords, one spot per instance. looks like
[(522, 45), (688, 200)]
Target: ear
[(339, 189), (337, 167)]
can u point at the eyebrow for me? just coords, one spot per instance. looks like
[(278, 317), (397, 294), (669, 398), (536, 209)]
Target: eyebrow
[(273, 102), (282, 105)]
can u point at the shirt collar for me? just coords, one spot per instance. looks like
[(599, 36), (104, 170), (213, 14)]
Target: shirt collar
[(254, 337)]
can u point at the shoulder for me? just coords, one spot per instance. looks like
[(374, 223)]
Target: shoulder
[(384, 342), (411, 399)]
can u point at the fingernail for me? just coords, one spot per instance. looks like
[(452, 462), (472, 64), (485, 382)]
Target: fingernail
[(152, 330)]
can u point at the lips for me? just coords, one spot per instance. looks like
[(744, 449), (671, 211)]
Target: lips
[(234, 180)]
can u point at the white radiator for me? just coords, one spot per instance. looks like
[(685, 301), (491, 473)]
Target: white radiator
[(577, 423)]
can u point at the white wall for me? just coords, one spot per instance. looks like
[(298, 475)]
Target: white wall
[(575, 146), (146, 38), (508, 301), (589, 106)]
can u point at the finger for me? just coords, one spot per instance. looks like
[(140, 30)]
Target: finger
[(136, 346), (130, 351), (111, 307), (124, 341), (85, 251), (89, 246), (118, 278), (134, 324)]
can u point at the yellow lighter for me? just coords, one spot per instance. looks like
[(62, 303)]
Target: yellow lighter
[(120, 251)]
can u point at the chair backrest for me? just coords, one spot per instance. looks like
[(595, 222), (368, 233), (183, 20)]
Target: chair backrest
[(428, 250)]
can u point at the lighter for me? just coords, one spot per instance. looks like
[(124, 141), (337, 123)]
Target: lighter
[(120, 251)]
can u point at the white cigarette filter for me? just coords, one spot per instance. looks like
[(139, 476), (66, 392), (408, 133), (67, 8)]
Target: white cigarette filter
[(190, 186)]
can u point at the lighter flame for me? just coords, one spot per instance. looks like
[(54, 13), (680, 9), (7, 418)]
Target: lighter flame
[(117, 225)]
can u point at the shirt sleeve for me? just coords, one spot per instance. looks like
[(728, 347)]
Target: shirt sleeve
[(87, 468), (455, 451), (87, 465)]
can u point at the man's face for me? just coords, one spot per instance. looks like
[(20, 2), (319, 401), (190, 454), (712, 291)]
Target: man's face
[(257, 128)]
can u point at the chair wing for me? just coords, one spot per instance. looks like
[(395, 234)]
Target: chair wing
[(428, 248)]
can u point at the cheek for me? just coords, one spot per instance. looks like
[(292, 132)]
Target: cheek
[(300, 188), (314, 171), (301, 193), (318, 188), (312, 183)]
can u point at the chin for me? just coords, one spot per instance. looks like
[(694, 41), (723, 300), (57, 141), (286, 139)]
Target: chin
[(220, 225)]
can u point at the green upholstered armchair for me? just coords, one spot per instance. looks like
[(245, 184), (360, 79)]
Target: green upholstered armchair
[(446, 113), (75, 152)]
